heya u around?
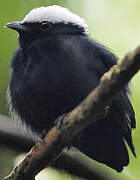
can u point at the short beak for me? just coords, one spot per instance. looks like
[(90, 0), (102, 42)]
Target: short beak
[(17, 26)]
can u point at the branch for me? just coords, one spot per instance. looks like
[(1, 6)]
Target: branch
[(46, 152), (13, 136), (70, 160)]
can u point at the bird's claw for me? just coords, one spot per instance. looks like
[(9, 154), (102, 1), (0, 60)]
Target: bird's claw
[(59, 121), (43, 134)]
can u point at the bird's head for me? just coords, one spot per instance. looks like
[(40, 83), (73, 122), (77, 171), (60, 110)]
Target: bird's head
[(44, 22)]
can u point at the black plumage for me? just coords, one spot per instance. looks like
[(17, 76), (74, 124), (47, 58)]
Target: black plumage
[(52, 72)]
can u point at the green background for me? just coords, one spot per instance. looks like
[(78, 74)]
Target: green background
[(113, 23)]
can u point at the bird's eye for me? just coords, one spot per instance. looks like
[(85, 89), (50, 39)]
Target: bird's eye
[(45, 25)]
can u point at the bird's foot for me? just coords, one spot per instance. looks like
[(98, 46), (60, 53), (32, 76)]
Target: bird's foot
[(43, 134), (59, 121), (58, 124)]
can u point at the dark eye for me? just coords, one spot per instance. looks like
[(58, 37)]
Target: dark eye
[(45, 25)]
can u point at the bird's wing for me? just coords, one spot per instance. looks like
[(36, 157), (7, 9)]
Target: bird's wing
[(110, 135)]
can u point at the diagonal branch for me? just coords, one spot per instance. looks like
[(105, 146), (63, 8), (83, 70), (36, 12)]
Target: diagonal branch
[(71, 160), (44, 153)]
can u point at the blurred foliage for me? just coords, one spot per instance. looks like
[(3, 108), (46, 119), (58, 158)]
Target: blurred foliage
[(113, 23), (7, 157)]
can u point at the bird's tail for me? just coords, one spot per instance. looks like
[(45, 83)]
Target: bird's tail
[(106, 141)]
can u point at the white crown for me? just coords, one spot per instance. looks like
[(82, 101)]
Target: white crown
[(55, 14)]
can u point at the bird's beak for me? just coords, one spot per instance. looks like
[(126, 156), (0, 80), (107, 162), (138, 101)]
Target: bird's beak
[(17, 26)]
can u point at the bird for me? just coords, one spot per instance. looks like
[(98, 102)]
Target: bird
[(54, 67)]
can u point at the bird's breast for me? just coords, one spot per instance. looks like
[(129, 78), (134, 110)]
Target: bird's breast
[(44, 89)]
